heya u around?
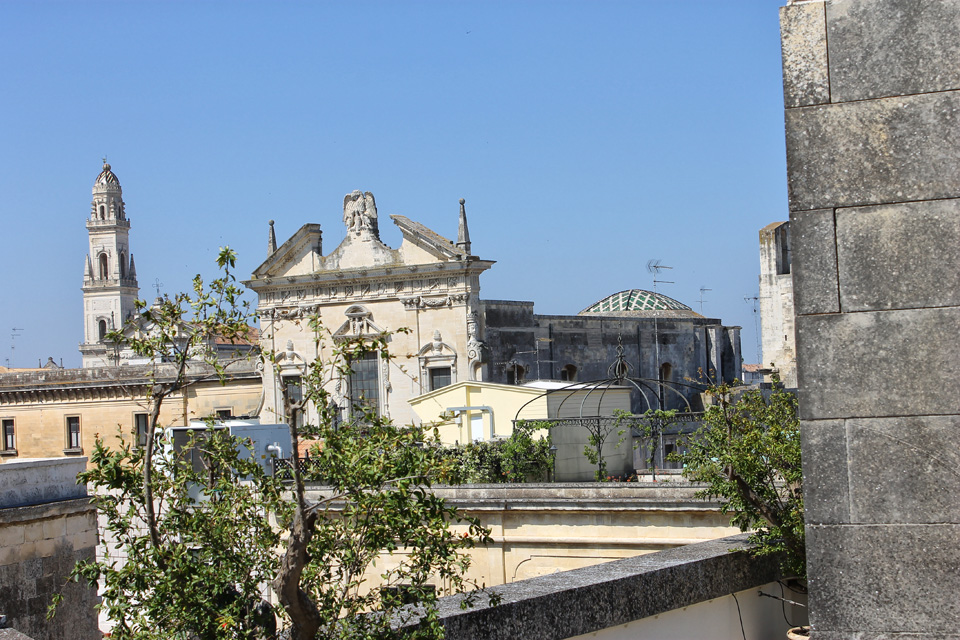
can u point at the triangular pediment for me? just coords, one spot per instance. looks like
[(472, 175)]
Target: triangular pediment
[(419, 239), (359, 324), (296, 256)]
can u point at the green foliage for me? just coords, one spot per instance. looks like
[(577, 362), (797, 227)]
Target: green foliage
[(204, 578), (203, 537), (519, 458), (599, 431), (649, 426), (748, 453)]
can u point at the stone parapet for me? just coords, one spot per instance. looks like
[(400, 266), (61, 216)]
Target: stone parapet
[(593, 599)]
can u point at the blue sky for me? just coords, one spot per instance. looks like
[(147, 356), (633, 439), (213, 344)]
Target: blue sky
[(586, 137)]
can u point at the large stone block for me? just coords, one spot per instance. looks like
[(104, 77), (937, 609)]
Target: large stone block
[(904, 470), (874, 152), (892, 47), (815, 288), (899, 256), (878, 363), (803, 43), (865, 579), (826, 499)]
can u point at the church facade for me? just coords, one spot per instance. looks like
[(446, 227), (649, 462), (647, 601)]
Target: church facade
[(430, 285)]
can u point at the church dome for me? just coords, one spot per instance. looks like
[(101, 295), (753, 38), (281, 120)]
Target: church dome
[(635, 300), (107, 178)]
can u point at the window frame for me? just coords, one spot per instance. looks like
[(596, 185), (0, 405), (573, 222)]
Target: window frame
[(73, 448), (433, 371), (141, 436), (8, 448), (371, 362)]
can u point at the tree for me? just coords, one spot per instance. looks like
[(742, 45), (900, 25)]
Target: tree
[(650, 426), (748, 453), (201, 535), (599, 431)]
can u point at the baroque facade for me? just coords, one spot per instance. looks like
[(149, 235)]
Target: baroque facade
[(431, 285)]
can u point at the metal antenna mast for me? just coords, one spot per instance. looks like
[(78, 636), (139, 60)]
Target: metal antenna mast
[(654, 267), (756, 324), (14, 333), (702, 290), (156, 285)]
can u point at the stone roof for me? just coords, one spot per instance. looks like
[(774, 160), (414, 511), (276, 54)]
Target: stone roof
[(636, 300)]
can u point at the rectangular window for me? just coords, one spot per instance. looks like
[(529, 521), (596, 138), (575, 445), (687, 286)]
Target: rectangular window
[(73, 433), (9, 436), (141, 422), (294, 386), (439, 377), (365, 382), (224, 414)]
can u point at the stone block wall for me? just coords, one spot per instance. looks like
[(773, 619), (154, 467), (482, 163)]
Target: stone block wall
[(39, 545), (872, 98)]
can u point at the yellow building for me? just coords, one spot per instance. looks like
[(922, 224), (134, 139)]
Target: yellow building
[(49, 413), (471, 411)]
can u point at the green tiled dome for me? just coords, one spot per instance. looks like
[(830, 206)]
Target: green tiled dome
[(636, 300)]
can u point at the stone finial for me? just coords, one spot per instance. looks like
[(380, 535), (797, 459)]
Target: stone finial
[(463, 234), (133, 269), (271, 241)]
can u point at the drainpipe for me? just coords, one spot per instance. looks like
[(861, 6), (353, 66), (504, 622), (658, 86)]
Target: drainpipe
[(482, 409)]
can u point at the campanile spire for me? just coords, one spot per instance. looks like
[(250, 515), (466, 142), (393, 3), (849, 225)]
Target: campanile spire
[(109, 280)]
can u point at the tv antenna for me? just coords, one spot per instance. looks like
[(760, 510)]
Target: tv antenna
[(156, 285), (655, 266), (755, 300), (702, 291), (14, 333)]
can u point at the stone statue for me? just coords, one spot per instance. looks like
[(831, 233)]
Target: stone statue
[(360, 214)]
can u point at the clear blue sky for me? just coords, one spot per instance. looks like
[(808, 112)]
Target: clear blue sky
[(586, 137)]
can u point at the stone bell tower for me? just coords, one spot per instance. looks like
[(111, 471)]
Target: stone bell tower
[(110, 277)]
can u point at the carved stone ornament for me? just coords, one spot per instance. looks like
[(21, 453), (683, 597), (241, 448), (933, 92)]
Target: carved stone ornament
[(293, 313), (360, 214)]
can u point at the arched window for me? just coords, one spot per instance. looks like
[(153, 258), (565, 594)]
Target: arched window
[(104, 271), (103, 212), (665, 370), (123, 269), (102, 329), (568, 373)]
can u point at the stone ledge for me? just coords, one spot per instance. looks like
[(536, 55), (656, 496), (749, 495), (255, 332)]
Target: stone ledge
[(571, 603), (15, 515)]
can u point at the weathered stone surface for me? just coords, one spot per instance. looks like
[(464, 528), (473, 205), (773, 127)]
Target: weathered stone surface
[(814, 262), (899, 256), (892, 47), (563, 605), (803, 42), (25, 482), (882, 590), (826, 498), (874, 152), (916, 455), (844, 376)]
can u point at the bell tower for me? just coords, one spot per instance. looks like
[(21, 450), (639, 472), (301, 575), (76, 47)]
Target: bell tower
[(109, 277)]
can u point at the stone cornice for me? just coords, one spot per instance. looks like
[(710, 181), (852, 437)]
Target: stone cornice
[(418, 286), (105, 383)]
